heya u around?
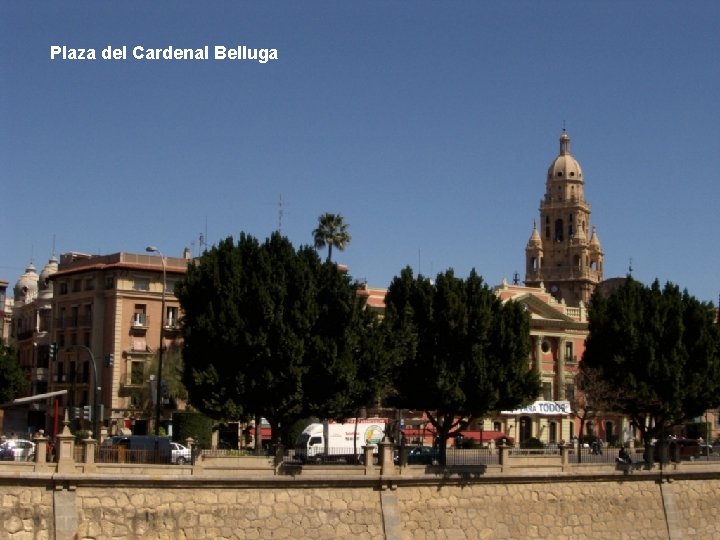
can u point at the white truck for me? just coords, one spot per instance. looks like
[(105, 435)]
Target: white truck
[(333, 441)]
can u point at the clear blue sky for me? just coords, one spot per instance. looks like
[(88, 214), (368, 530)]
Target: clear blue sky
[(428, 125)]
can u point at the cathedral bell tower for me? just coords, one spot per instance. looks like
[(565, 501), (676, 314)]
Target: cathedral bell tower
[(564, 253)]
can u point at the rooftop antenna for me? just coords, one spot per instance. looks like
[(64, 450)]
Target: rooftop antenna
[(516, 278), (280, 213), (630, 268)]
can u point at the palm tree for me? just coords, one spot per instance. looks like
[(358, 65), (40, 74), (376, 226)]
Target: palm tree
[(331, 231)]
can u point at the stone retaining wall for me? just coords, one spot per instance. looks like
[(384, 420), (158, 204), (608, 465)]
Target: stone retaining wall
[(434, 507)]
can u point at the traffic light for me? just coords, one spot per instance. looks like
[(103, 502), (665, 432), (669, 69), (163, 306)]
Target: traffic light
[(109, 360), (76, 413), (87, 413), (53, 351)]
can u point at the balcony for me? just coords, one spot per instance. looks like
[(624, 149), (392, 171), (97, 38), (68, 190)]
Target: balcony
[(139, 321), (171, 325)]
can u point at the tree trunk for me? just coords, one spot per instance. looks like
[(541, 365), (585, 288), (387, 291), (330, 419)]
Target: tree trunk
[(258, 435)]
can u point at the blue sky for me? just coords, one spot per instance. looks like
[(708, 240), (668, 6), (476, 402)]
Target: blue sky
[(428, 125)]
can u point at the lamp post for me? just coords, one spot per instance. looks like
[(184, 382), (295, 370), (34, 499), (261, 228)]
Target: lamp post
[(96, 389), (153, 249)]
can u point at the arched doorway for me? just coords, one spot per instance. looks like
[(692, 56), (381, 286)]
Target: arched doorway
[(525, 428), (552, 432), (610, 432)]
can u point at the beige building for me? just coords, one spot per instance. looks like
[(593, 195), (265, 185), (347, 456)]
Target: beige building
[(108, 308), (564, 253)]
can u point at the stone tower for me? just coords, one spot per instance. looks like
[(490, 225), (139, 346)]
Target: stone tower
[(564, 253)]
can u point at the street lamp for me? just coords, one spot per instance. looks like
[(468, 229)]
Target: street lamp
[(153, 249)]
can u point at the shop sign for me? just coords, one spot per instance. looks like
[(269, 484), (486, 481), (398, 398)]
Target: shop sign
[(545, 408)]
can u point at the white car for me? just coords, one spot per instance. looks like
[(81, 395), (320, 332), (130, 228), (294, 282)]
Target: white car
[(17, 450), (179, 454)]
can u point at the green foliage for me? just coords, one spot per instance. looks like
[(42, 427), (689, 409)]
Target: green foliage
[(460, 352), (331, 231), (272, 331), (695, 430), (660, 348), (195, 425), (532, 442), (12, 378)]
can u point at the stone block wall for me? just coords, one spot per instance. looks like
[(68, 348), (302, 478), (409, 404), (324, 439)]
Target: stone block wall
[(412, 509), (318, 513)]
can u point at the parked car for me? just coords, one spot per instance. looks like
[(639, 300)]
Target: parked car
[(17, 450), (423, 455), (180, 454)]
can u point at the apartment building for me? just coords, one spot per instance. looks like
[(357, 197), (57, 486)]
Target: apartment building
[(107, 325)]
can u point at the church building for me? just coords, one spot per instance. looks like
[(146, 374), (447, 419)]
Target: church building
[(564, 253)]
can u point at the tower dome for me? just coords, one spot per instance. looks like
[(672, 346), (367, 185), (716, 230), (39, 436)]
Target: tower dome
[(26, 287), (535, 240), (565, 165), (44, 284)]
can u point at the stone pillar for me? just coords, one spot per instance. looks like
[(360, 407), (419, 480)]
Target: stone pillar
[(504, 458), (40, 447), (491, 447), (385, 450), (368, 458), (65, 448), (538, 354), (90, 445), (564, 456)]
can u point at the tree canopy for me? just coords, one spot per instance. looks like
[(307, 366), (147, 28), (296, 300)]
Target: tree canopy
[(272, 331), (12, 378), (463, 353), (660, 348), (331, 231)]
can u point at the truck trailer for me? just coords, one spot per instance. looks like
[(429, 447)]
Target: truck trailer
[(339, 441)]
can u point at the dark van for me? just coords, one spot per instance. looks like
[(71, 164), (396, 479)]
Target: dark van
[(135, 449)]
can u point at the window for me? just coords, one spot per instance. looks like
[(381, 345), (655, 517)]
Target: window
[(139, 315), (171, 319), (570, 392), (74, 316), (87, 317), (137, 372), (141, 284), (547, 391), (63, 287), (545, 346), (497, 426), (569, 351), (109, 282), (90, 284), (76, 285)]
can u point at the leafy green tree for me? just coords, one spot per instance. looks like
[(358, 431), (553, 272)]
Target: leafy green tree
[(272, 332), (331, 231), (12, 378), (462, 352), (593, 397), (660, 348)]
